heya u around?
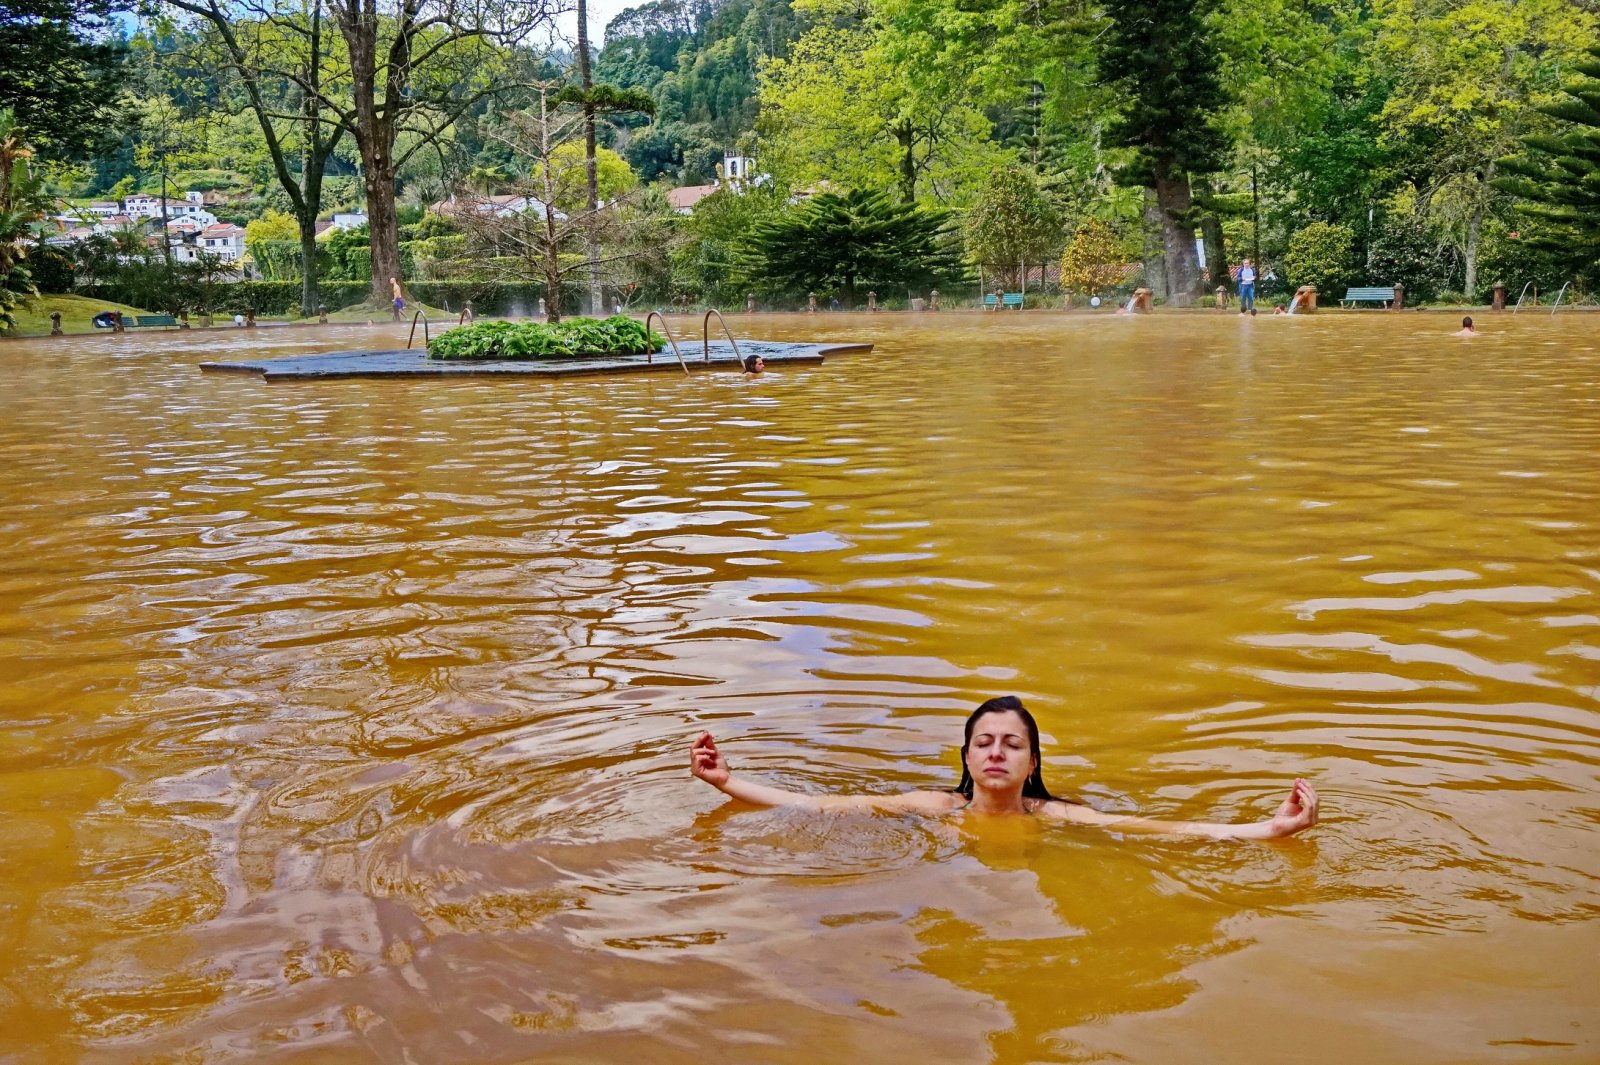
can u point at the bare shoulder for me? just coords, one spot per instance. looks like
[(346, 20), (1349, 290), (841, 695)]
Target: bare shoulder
[(926, 802), (1077, 813)]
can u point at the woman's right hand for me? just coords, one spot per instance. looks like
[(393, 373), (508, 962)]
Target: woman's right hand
[(706, 762)]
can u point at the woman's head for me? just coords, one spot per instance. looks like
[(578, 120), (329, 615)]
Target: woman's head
[(754, 364), (1009, 711)]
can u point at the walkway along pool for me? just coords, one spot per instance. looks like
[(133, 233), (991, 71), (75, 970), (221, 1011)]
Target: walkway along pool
[(350, 723)]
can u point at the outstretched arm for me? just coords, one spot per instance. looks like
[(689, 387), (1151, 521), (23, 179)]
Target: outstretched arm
[(1296, 813), (707, 763)]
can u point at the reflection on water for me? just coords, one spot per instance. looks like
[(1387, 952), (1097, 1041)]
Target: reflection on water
[(348, 720)]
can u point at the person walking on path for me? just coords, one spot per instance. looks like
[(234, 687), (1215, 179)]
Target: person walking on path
[(399, 298), (1247, 287)]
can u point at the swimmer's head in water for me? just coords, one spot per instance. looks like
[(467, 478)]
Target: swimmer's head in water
[(1034, 787), (754, 364), (1466, 323)]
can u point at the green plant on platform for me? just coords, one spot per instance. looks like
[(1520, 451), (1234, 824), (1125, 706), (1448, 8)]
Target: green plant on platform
[(618, 335)]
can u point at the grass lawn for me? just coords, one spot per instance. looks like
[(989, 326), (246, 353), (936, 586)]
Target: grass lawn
[(77, 312)]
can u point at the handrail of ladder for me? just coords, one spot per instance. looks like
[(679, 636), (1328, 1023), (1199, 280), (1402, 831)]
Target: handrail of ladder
[(1557, 303), (705, 336), (649, 356), (413, 334), (1524, 296)]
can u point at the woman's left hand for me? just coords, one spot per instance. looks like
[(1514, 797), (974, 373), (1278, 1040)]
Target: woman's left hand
[(1297, 813)]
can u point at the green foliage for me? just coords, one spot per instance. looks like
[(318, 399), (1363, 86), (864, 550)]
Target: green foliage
[(1322, 254), (713, 261), (1558, 176), (57, 75), (1402, 251), (52, 270), (349, 254), (1518, 256), (1095, 260), (619, 335), (845, 109), (1162, 56), (839, 244), (22, 202), (1011, 223)]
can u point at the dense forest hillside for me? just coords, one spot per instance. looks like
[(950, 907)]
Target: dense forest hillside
[(701, 64)]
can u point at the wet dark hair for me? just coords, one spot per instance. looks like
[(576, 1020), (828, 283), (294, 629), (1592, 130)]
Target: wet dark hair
[(750, 363), (1033, 787), (1466, 323)]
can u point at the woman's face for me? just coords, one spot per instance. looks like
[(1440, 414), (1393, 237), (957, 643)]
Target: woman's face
[(998, 756)]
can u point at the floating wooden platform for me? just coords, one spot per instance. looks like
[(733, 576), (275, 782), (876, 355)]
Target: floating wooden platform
[(415, 362)]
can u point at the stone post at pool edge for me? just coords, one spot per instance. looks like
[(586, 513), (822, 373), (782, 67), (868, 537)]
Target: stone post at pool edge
[(1222, 297), (1499, 302), (55, 324), (750, 303), (812, 303), (1399, 297), (935, 296), (872, 302)]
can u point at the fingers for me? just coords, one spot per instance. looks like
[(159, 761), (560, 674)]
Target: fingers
[(1307, 796), (703, 754)]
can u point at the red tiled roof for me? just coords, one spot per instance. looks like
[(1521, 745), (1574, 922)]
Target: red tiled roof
[(689, 195)]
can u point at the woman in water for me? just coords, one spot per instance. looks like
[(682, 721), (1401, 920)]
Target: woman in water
[(1000, 774), (753, 365)]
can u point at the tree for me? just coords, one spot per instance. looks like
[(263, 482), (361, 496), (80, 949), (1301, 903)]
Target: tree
[(1095, 260), (1322, 254), (1012, 224), (55, 77), (538, 240), (592, 100), (841, 109), (840, 243), (1557, 176), (1467, 77), (1162, 57), (266, 239), (717, 247), (282, 64), (21, 204)]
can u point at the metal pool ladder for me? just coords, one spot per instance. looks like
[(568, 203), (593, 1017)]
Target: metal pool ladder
[(649, 356), (413, 335), (1524, 296), (705, 337), (1557, 303)]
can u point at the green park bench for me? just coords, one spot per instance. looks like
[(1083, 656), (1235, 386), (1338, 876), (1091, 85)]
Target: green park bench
[(155, 320), (1007, 299), (1383, 294)]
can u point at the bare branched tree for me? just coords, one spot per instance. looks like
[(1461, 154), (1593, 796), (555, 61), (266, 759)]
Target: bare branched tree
[(540, 228), (407, 71)]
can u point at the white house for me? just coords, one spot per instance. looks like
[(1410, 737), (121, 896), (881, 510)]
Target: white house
[(503, 206), (105, 208), (143, 206), (224, 240), (198, 218)]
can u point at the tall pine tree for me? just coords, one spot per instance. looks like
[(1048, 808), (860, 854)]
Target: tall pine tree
[(1558, 175), (1162, 56)]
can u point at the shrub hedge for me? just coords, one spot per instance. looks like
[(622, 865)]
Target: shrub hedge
[(283, 297)]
